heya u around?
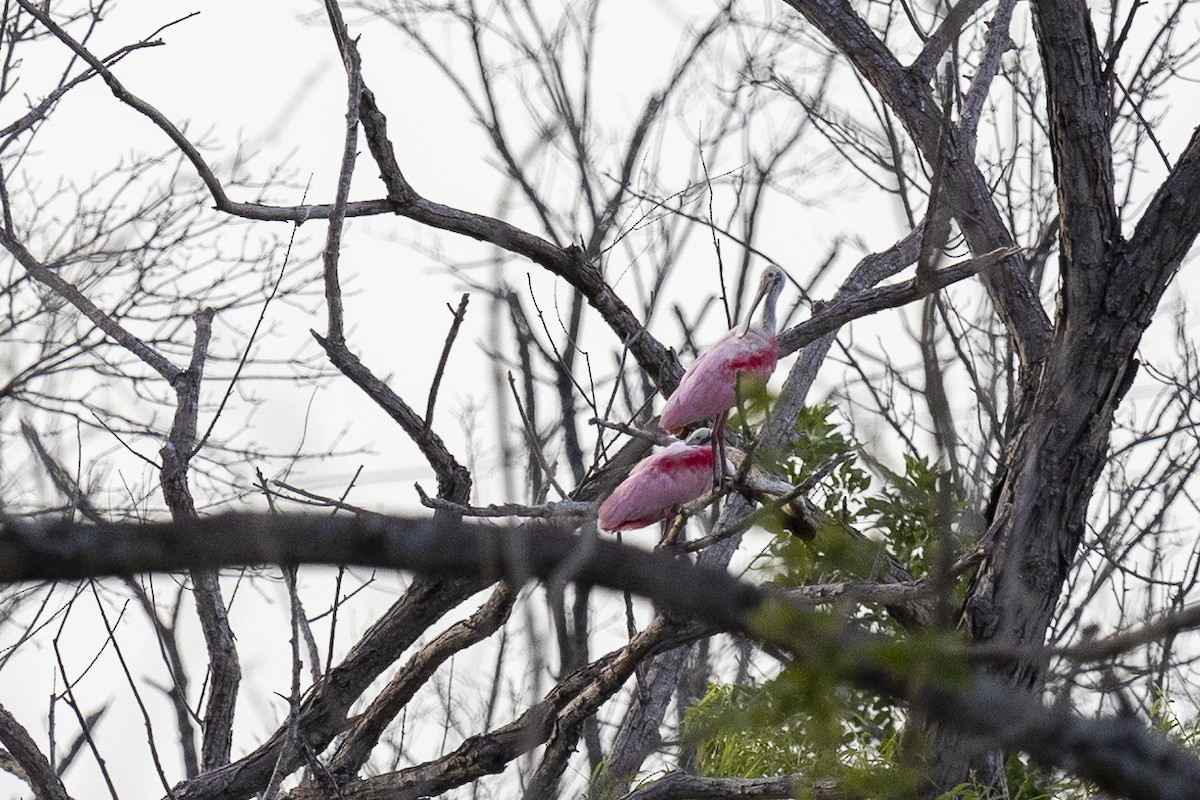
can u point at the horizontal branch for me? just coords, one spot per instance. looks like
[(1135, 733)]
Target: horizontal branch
[(64, 551), (1158, 629), (838, 313), (1119, 754), (573, 509), (681, 786), (862, 592)]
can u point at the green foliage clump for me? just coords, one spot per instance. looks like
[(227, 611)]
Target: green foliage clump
[(819, 442), (792, 725), (1025, 782), (903, 513), (1186, 732), (805, 720), (754, 401), (911, 508)]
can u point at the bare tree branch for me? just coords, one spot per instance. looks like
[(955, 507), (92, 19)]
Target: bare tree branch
[(969, 195), (44, 275), (356, 746), (680, 785), (36, 768), (951, 26), (869, 301), (1117, 753)]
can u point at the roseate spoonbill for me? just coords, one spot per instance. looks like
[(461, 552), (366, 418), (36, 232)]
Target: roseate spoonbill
[(659, 484), (709, 386)]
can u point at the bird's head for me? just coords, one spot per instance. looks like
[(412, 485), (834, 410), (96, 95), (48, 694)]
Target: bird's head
[(769, 287)]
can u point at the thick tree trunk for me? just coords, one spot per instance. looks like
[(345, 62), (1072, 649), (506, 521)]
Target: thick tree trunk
[(1051, 469), (1074, 373), (1109, 290)]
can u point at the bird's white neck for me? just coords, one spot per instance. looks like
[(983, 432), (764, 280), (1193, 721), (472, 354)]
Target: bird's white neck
[(768, 313)]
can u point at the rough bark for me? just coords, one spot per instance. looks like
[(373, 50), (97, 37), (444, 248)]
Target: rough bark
[(1110, 290), (1076, 371)]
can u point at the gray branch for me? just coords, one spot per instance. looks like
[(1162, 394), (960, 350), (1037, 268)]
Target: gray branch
[(34, 765), (1119, 754)]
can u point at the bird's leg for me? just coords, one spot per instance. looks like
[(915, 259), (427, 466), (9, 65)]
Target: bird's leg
[(718, 449), (672, 527)]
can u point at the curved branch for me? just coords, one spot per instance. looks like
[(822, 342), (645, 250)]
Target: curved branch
[(575, 697), (839, 312), (323, 713), (568, 263), (355, 748), (36, 768), (454, 480), (1119, 754)]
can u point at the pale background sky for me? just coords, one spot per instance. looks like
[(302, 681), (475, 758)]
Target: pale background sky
[(255, 73)]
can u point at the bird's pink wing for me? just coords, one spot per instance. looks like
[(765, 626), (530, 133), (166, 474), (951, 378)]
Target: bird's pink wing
[(702, 393), (708, 386), (656, 486), (757, 358)]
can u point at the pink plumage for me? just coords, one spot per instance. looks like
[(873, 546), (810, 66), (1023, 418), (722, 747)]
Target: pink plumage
[(657, 486), (709, 387)]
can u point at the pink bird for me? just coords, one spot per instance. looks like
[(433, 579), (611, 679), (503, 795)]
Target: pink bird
[(659, 484), (709, 386)]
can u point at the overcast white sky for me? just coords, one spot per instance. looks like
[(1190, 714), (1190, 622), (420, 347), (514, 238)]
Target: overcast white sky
[(256, 74)]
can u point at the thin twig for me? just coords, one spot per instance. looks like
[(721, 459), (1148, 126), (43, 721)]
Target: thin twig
[(1137, 109), (655, 436), (768, 509), (459, 315), (533, 440), (337, 583), (147, 723), (330, 502), (1111, 65), (713, 232), (560, 509), (262, 315)]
